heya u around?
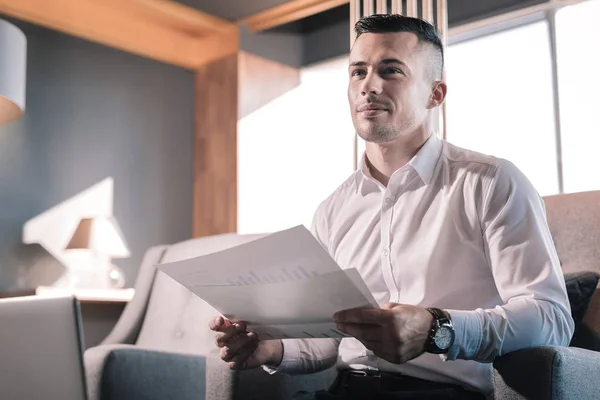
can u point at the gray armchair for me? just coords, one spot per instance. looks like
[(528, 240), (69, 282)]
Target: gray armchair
[(161, 347)]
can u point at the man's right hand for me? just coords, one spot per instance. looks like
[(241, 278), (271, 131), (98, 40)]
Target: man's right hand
[(242, 349)]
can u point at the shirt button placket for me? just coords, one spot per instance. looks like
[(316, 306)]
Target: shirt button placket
[(386, 222)]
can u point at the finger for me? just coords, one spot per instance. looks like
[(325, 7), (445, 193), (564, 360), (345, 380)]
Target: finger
[(219, 322), (389, 306), (241, 326), (237, 346), (225, 335), (364, 333), (240, 360), (374, 316), (241, 341)]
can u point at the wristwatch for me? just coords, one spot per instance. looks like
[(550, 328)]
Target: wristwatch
[(441, 335)]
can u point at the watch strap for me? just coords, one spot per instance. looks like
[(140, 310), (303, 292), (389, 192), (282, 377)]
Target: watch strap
[(438, 315)]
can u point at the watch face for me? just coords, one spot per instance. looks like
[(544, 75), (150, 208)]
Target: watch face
[(444, 337)]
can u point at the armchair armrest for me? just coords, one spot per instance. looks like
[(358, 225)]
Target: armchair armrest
[(137, 373), (547, 373), (129, 372)]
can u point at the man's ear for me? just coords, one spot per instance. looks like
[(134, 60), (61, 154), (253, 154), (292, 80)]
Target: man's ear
[(438, 94)]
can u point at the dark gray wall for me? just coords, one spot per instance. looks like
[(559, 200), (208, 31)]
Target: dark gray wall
[(277, 45), (332, 40), (94, 112)]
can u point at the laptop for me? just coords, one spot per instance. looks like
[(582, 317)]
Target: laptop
[(41, 349)]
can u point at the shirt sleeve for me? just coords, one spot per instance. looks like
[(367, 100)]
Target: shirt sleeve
[(527, 272), (305, 356)]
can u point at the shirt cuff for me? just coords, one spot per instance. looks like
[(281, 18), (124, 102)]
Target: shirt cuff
[(291, 355), (468, 332)]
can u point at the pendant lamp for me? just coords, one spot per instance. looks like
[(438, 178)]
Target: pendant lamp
[(13, 58)]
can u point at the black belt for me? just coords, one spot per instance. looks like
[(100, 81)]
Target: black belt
[(372, 384)]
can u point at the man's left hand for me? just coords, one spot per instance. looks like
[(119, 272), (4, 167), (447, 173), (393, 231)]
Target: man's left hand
[(395, 332)]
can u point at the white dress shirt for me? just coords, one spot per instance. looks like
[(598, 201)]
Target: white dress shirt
[(457, 230)]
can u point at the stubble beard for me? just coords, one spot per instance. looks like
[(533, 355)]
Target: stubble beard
[(385, 132), (380, 133)]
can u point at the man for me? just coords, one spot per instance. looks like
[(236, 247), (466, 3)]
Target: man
[(453, 244)]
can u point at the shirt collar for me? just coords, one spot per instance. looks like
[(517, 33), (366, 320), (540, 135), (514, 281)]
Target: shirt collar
[(423, 162)]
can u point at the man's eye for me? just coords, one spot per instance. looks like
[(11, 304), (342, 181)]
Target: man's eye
[(393, 71), (358, 72)]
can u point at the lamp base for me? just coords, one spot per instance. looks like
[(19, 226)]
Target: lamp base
[(116, 277)]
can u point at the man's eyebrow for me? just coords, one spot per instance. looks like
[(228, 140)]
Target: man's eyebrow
[(384, 61), (393, 61)]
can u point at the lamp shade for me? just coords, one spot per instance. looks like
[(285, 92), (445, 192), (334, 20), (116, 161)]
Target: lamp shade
[(101, 235), (13, 60)]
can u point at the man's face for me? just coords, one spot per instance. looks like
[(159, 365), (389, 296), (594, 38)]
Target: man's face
[(390, 85)]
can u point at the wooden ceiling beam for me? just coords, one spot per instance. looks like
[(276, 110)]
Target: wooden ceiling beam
[(157, 29), (216, 46), (178, 15), (288, 12)]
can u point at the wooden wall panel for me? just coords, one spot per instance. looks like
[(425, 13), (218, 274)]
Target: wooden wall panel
[(215, 147), (262, 81), (226, 90)]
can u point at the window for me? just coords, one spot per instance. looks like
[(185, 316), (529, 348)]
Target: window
[(577, 32), (500, 100)]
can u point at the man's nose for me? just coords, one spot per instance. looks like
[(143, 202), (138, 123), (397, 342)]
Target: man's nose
[(371, 85)]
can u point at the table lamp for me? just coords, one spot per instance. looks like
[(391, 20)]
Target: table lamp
[(13, 56), (102, 236)]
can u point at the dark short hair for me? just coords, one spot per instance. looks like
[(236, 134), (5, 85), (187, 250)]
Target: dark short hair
[(389, 23)]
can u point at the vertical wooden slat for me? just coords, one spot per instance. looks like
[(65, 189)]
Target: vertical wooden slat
[(411, 8), (368, 7), (382, 7), (442, 26), (442, 19), (215, 147), (396, 6), (428, 10), (444, 124), (354, 16)]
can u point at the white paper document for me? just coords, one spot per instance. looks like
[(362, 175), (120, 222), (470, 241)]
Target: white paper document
[(285, 285)]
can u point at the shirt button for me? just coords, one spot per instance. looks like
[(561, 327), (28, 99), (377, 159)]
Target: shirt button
[(385, 252), (389, 201)]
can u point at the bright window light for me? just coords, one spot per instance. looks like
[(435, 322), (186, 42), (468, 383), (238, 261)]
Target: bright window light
[(500, 100), (578, 31), (295, 151)]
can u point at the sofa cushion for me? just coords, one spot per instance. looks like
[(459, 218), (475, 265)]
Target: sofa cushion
[(580, 289), (581, 286)]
